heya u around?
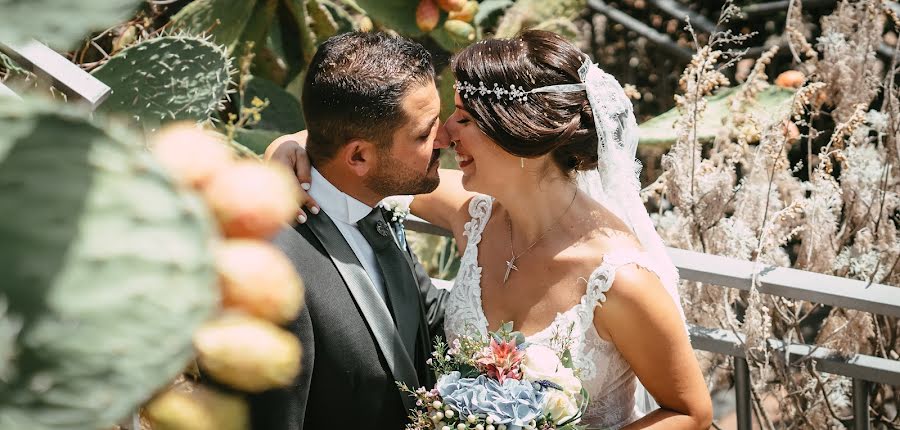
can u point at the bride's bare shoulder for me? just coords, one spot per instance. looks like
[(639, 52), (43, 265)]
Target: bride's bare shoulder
[(605, 232)]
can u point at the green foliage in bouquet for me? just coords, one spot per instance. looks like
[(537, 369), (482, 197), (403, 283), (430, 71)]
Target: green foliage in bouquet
[(518, 376), (107, 271), (167, 78), (60, 23)]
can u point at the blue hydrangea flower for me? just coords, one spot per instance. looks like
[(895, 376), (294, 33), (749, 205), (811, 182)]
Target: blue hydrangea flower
[(513, 403)]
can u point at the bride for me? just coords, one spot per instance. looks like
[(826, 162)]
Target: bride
[(554, 237)]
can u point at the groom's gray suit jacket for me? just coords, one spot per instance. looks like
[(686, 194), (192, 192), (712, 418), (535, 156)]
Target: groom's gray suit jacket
[(353, 351)]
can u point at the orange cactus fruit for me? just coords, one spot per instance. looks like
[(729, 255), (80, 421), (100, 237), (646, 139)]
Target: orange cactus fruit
[(252, 200), (427, 15), (259, 279), (247, 353), (192, 155), (790, 79), (452, 5), (467, 14)]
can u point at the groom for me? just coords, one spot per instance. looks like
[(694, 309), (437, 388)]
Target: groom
[(371, 110)]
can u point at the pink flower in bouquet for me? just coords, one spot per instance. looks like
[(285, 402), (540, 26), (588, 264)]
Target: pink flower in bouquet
[(501, 360)]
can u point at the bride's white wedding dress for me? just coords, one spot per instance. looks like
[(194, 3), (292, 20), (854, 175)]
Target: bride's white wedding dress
[(606, 375)]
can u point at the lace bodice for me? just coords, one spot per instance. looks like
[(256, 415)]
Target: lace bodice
[(604, 372)]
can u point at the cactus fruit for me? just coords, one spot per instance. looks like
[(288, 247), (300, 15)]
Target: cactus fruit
[(451, 5), (467, 13), (188, 406), (247, 353), (251, 199), (427, 15), (790, 79), (190, 153), (107, 270), (167, 78), (224, 20), (60, 23), (259, 279), (460, 30)]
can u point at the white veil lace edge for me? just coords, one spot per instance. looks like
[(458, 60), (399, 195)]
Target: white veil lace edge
[(615, 183)]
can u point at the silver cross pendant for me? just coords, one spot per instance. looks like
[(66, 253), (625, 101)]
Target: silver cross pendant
[(510, 266)]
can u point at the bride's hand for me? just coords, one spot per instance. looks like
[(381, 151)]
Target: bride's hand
[(289, 150)]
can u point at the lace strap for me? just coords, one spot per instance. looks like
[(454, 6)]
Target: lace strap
[(603, 277), (480, 211)]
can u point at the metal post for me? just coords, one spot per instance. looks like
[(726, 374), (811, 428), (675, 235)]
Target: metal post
[(742, 394), (860, 404)]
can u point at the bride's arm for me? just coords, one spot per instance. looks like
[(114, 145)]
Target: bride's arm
[(647, 329), (446, 206)]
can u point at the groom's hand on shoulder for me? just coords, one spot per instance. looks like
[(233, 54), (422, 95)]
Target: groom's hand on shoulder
[(289, 151)]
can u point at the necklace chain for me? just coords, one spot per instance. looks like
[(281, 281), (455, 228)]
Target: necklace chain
[(511, 264)]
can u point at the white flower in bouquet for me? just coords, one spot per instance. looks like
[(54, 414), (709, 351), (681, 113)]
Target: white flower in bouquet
[(542, 364)]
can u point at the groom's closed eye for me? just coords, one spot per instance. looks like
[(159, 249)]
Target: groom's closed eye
[(426, 132)]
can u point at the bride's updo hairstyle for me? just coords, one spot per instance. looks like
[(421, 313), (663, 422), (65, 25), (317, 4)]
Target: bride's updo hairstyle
[(557, 123)]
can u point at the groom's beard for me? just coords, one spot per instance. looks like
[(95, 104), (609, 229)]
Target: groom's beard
[(393, 178)]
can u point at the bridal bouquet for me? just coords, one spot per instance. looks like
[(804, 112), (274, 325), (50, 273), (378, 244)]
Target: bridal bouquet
[(499, 383)]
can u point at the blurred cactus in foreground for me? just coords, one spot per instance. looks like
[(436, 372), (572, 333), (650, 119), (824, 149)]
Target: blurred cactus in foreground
[(107, 265)]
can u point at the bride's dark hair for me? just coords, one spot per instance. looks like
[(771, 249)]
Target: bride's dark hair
[(559, 124)]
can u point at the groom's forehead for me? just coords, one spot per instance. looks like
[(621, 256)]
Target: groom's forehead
[(420, 101)]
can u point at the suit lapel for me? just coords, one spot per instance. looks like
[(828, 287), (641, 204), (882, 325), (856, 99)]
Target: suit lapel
[(370, 304)]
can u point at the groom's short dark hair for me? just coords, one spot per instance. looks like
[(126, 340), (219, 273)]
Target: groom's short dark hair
[(354, 87)]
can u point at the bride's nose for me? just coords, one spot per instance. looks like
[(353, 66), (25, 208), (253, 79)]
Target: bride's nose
[(442, 140)]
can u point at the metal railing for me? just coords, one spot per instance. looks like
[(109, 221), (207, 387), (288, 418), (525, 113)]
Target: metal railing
[(789, 283), (57, 71)]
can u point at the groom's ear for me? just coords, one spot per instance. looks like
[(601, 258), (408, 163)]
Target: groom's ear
[(359, 155)]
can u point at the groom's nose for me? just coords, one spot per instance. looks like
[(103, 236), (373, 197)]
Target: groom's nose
[(442, 140)]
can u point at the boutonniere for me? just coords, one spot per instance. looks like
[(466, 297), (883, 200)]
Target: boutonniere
[(398, 206)]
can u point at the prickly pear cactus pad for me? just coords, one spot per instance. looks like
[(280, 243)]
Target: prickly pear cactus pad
[(107, 271), (60, 23), (399, 15), (167, 78), (223, 19)]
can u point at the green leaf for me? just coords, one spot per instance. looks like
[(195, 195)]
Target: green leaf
[(283, 114), (526, 14), (489, 11), (62, 24), (300, 26), (399, 15), (770, 103), (323, 24), (340, 15), (225, 20)]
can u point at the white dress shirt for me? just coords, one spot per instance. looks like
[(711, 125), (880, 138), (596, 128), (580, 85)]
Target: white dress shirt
[(346, 211)]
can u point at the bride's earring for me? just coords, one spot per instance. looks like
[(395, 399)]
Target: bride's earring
[(522, 161)]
